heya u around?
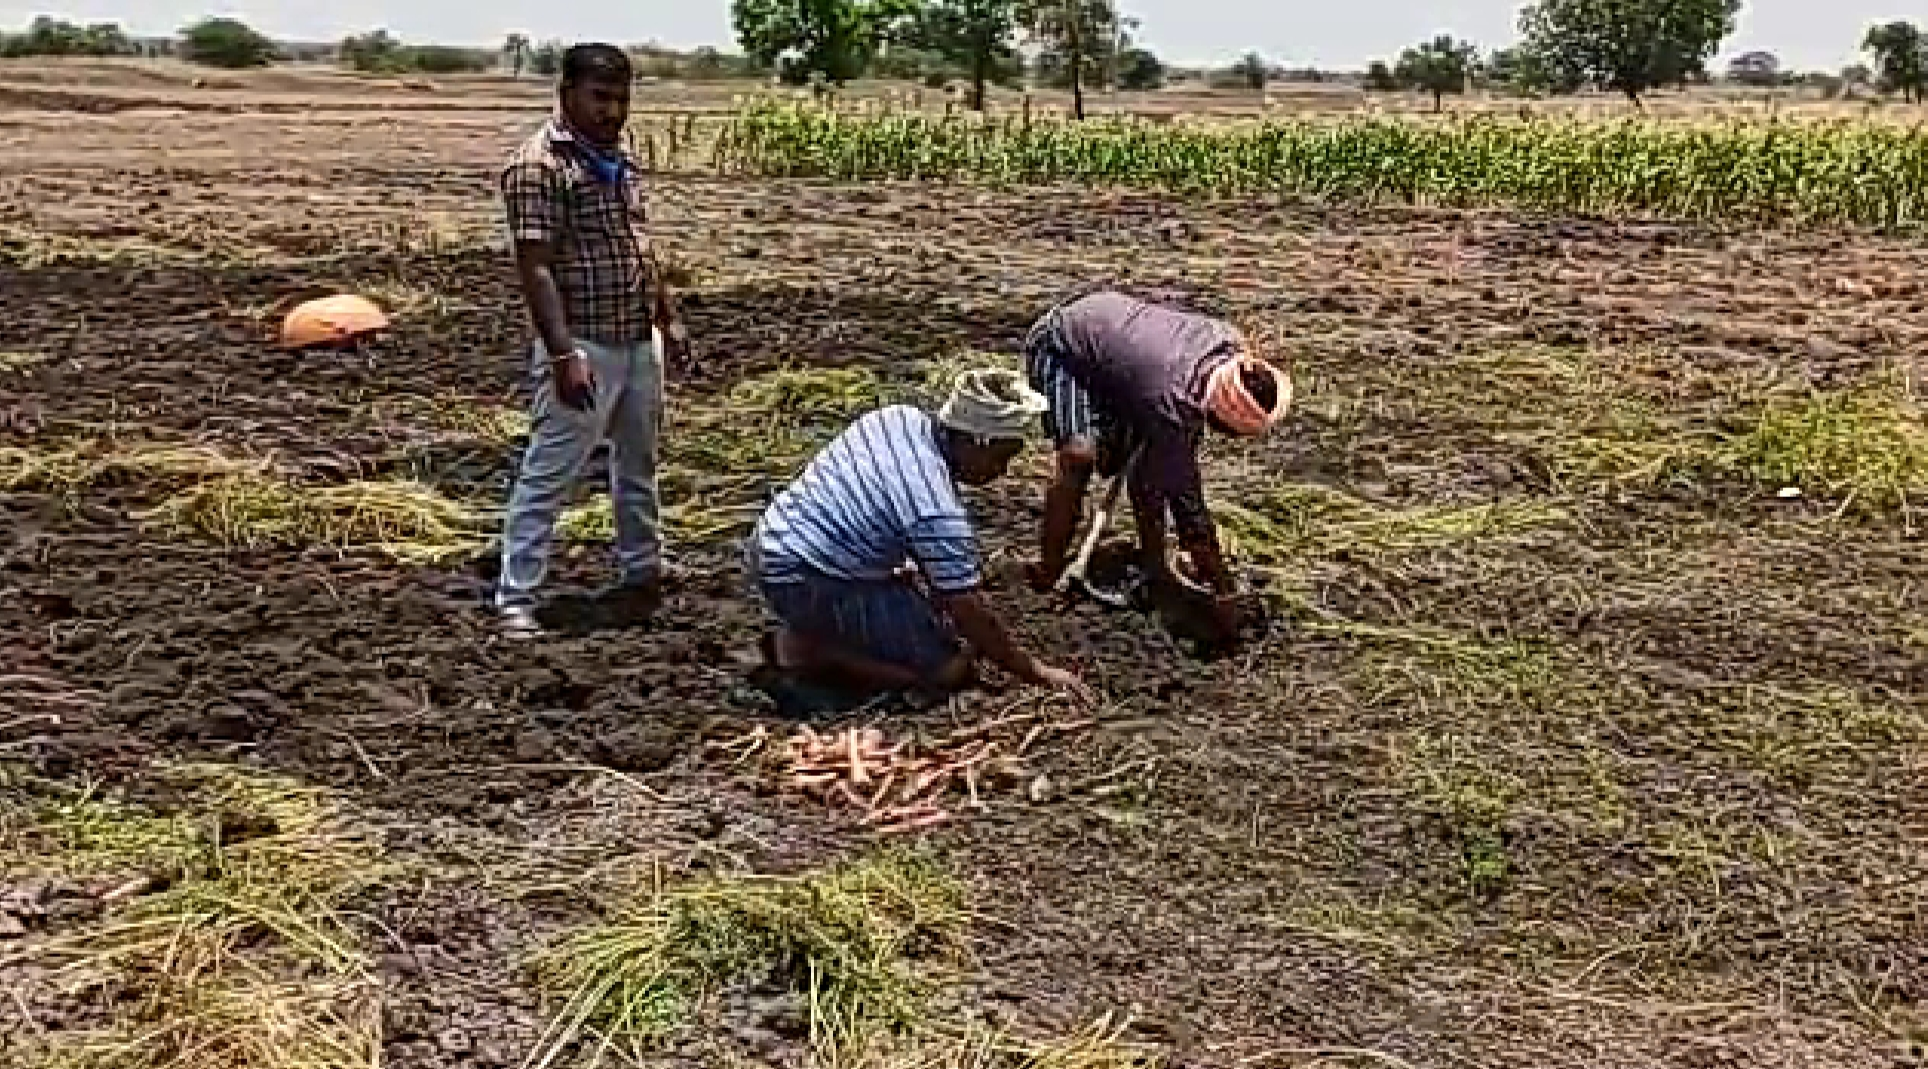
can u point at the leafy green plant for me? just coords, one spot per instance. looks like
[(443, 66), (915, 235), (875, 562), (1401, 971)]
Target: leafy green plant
[(227, 43), (1806, 173)]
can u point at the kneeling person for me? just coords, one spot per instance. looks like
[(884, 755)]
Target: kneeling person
[(837, 553)]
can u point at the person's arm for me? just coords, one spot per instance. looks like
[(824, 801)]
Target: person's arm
[(534, 206), (535, 270), (1199, 537), (1172, 480), (667, 315), (946, 551), (1063, 502), (979, 625)]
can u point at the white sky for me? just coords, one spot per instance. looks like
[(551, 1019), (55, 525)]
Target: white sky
[(1822, 34)]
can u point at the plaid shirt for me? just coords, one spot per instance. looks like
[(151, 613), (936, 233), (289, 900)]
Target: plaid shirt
[(596, 229)]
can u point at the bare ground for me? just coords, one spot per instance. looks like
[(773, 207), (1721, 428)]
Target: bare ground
[(1568, 744)]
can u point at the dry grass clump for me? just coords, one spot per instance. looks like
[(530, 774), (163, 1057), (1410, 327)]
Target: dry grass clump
[(249, 1020), (857, 945), (246, 504), (688, 520), (408, 520), (1623, 420), (14, 362), (772, 423), (30, 249), (1296, 522), (107, 461), (401, 298), (844, 940), (496, 425), (224, 938), (1099, 1045), (1453, 780), (1866, 448)]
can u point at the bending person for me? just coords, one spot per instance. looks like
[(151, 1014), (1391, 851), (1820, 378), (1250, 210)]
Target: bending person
[(1127, 378)]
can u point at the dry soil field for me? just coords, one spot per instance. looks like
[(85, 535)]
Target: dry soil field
[(1575, 739)]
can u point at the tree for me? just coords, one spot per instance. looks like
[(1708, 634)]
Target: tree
[(1900, 59), (1140, 71), (1379, 77), (227, 43), (1627, 46), (546, 59), (976, 36), (54, 37), (1758, 69), (1080, 37), (106, 39), (833, 39), (1252, 72), (1524, 71), (516, 48), (447, 59), (1439, 66), (376, 52)]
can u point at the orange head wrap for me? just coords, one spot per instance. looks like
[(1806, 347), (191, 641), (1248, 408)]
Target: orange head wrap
[(1227, 398)]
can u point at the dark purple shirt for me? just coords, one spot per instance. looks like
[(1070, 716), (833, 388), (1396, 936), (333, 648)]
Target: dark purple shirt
[(1147, 365)]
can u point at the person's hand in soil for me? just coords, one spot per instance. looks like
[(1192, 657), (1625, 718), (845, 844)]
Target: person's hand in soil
[(575, 382), (1039, 578)]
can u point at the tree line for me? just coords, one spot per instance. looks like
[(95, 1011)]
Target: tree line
[(211, 42), (1626, 46), (1634, 47), (1080, 44)]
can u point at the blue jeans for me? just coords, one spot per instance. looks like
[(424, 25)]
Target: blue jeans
[(885, 620), (629, 414)]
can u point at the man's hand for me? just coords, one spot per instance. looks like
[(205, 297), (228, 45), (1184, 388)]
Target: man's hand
[(1039, 578), (1065, 682), (576, 382), (677, 351), (1160, 574)]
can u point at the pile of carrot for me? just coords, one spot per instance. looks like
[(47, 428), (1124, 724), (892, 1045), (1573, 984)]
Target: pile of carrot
[(893, 787)]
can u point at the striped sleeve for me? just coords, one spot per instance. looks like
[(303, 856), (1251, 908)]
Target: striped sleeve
[(945, 549)]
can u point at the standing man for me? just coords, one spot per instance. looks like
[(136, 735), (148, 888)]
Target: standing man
[(577, 218), (839, 555), (1133, 382)]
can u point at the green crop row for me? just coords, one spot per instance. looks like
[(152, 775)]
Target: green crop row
[(1781, 172)]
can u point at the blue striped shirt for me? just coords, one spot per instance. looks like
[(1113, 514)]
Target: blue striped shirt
[(878, 497)]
